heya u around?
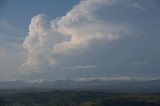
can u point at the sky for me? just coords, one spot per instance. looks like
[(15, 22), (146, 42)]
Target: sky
[(57, 39)]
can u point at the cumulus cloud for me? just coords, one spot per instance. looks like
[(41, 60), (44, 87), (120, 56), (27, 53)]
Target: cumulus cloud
[(75, 31), (39, 41)]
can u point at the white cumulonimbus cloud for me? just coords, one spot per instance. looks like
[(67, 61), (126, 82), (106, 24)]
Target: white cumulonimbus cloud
[(77, 30)]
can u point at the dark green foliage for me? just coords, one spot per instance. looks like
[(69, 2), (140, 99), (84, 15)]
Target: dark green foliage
[(78, 98)]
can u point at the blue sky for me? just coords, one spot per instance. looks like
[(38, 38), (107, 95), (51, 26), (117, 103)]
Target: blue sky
[(20, 12), (56, 39)]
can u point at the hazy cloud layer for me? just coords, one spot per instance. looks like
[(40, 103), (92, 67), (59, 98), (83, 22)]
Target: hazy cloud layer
[(72, 33), (82, 67), (121, 78)]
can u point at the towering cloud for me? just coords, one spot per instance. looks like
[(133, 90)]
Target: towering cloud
[(77, 30), (40, 41)]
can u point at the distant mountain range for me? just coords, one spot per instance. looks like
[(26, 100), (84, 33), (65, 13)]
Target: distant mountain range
[(92, 85)]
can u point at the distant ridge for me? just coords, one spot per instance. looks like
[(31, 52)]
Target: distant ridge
[(94, 85)]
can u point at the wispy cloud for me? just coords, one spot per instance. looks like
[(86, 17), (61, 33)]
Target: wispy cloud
[(4, 25), (137, 6), (82, 67), (11, 36), (141, 63)]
